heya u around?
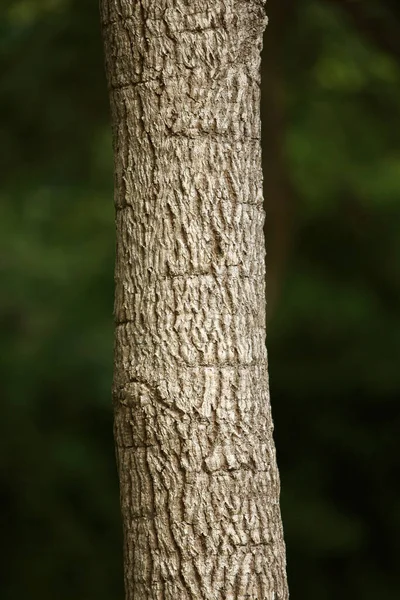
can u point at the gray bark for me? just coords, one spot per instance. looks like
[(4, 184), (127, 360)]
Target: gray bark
[(193, 428)]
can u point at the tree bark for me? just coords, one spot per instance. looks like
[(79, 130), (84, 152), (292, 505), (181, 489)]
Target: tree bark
[(193, 428)]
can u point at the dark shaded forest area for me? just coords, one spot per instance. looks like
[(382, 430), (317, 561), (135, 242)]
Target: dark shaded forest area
[(331, 147)]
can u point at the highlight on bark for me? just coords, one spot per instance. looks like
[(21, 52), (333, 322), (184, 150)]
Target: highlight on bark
[(193, 428)]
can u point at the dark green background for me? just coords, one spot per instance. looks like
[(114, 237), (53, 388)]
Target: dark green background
[(334, 328)]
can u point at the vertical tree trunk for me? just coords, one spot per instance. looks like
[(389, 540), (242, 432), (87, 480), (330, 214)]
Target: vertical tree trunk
[(193, 428)]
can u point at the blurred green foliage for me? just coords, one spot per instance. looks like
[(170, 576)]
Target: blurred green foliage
[(334, 340)]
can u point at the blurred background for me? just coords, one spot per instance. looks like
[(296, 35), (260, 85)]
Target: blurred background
[(331, 144)]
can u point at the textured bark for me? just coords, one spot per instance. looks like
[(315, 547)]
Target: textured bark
[(193, 429)]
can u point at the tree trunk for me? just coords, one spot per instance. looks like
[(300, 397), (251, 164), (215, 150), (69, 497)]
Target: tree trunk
[(193, 428)]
